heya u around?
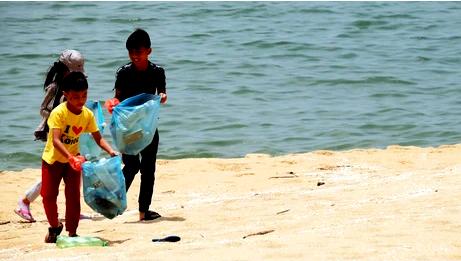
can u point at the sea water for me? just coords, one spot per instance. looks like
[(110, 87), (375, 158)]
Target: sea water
[(249, 77)]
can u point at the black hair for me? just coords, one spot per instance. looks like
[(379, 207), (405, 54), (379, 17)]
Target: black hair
[(55, 73), (138, 39), (75, 81)]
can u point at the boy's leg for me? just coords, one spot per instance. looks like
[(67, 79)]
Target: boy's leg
[(72, 180), (148, 161), (130, 169), (51, 177)]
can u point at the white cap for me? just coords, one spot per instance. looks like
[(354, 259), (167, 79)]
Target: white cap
[(73, 60)]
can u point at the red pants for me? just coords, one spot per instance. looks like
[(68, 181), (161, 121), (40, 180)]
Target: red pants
[(51, 178)]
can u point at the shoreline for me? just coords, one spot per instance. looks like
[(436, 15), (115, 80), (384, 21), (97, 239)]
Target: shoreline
[(360, 204)]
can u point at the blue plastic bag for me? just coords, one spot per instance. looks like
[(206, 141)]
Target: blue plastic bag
[(88, 147), (104, 188), (134, 122)]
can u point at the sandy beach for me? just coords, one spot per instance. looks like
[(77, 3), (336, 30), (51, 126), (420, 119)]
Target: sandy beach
[(399, 203)]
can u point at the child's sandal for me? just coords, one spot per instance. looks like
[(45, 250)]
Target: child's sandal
[(151, 215), (53, 233), (25, 214)]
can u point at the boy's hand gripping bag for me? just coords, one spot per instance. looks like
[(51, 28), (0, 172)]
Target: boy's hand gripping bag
[(87, 145), (134, 122), (104, 188)]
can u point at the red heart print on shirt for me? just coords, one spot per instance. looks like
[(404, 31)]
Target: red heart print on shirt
[(77, 130)]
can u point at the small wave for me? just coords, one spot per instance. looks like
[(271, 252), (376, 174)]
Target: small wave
[(190, 62), (85, 20), (220, 143), (72, 5), (199, 35), (295, 139), (171, 123), (388, 79), (227, 127), (202, 87), (453, 38), (220, 31), (335, 82), (388, 94), (344, 146), (245, 90), (387, 127), (7, 110), (288, 45), (316, 11), (26, 20), (391, 27), (13, 71), (245, 11), (423, 59), (183, 154), (26, 56), (365, 24), (131, 20), (302, 56), (266, 125), (348, 55), (62, 39), (396, 16), (391, 111), (259, 44)]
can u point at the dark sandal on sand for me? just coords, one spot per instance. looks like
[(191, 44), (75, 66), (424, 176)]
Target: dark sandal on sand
[(53, 233), (150, 215)]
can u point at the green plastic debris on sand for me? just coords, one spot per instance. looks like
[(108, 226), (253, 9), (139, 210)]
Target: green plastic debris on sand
[(65, 241)]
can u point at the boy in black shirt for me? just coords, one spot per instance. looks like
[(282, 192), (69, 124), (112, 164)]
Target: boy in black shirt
[(141, 76)]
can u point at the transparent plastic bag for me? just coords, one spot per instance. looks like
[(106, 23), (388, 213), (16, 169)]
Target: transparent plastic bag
[(104, 188), (65, 241), (134, 122), (87, 145)]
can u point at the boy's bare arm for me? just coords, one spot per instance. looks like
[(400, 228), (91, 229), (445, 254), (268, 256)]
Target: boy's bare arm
[(103, 143), (58, 144)]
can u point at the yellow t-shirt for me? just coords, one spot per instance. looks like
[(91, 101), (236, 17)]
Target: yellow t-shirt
[(71, 126)]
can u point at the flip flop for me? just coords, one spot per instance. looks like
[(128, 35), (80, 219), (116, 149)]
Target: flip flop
[(25, 214), (167, 239)]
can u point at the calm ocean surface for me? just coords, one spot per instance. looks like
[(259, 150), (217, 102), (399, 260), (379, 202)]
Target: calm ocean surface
[(249, 77)]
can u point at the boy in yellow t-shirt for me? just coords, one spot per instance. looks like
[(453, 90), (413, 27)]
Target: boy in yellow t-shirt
[(61, 159)]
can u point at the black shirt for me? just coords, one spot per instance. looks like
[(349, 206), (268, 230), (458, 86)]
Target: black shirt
[(130, 82)]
